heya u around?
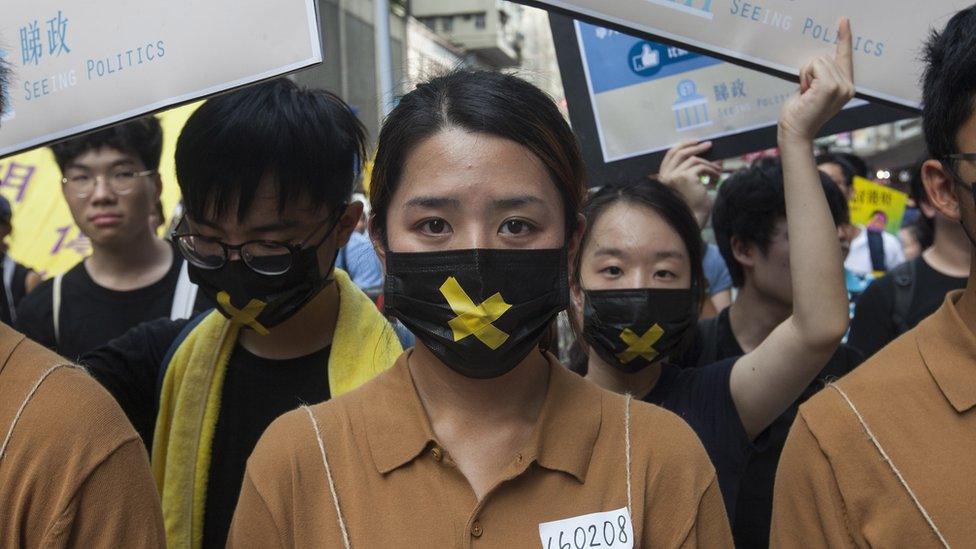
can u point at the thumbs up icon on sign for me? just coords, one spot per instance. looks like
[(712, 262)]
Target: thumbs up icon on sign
[(648, 59)]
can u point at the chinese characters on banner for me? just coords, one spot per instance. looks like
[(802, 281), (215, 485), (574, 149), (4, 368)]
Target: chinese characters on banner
[(77, 69)]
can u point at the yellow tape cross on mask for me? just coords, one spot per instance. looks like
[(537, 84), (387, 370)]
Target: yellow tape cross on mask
[(474, 319), (248, 316), (640, 346)]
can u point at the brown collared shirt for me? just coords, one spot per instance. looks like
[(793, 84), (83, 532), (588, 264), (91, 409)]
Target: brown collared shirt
[(397, 487), (74, 473), (916, 397)]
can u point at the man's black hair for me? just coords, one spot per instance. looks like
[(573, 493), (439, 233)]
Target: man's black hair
[(308, 141), (846, 167), (142, 137), (857, 163), (752, 201), (949, 84)]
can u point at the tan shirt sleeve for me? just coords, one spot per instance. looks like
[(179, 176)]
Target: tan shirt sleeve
[(116, 506), (253, 524), (711, 528), (808, 510)]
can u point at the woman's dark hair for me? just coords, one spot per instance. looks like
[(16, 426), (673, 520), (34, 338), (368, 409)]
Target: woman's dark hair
[(485, 102), (662, 200), (307, 140), (142, 138)]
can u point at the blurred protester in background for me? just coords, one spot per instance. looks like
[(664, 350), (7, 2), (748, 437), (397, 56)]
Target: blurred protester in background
[(750, 227), (112, 187), (895, 303), (18, 280)]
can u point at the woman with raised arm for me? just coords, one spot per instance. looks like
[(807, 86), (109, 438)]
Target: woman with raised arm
[(638, 285)]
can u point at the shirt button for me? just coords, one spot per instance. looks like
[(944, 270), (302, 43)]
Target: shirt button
[(477, 530), (437, 453)]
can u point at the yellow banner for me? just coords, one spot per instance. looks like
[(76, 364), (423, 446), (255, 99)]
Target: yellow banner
[(876, 206), (45, 236)]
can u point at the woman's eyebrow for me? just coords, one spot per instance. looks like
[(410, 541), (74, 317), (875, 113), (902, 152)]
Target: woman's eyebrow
[(510, 202), (432, 202)]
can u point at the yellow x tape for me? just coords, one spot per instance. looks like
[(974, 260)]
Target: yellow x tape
[(474, 319), (247, 316), (640, 346)]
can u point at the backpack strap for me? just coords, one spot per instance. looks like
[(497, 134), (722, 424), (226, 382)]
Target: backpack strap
[(185, 295), (876, 248), (904, 278), (56, 308)]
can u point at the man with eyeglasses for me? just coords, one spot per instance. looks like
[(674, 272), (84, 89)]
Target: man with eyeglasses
[(111, 185), (886, 456), (267, 174)]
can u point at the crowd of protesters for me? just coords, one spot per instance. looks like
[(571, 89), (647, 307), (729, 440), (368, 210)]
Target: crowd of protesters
[(295, 364)]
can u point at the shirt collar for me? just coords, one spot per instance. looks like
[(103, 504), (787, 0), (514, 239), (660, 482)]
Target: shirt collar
[(398, 429), (569, 422), (948, 349)]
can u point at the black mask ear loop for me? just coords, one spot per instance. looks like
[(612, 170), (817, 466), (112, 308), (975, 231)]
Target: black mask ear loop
[(330, 274), (971, 188)]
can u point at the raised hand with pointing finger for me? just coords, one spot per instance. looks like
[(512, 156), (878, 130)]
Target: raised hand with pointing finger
[(826, 85)]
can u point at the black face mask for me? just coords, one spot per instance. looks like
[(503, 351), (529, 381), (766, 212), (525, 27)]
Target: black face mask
[(632, 329), (479, 311), (259, 301)]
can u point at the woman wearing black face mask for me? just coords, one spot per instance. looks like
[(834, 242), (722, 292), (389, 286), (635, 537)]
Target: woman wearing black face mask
[(476, 434), (638, 283)]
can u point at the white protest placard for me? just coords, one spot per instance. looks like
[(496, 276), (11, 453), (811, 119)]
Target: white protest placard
[(647, 96), (782, 35), (80, 66)]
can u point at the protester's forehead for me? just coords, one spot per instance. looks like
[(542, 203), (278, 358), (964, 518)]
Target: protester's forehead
[(630, 229), (268, 200), (103, 157), (474, 167)]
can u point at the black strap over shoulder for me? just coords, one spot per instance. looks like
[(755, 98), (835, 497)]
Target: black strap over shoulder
[(904, 277), (876, 247)]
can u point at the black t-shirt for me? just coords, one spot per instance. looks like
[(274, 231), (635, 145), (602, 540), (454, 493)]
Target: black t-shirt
[(873, 326), (754, 506), (18, 289), (703, 398), (92, 315), (256, 391)]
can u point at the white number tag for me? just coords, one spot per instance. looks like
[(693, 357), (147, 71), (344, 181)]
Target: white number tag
[(607, 529)]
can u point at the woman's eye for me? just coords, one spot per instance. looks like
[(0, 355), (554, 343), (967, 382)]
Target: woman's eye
[(515, 227), (665, 275), (613, 271), (434, 226)]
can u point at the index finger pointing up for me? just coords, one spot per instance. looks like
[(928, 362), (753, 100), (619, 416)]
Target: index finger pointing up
[(845, 55)]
